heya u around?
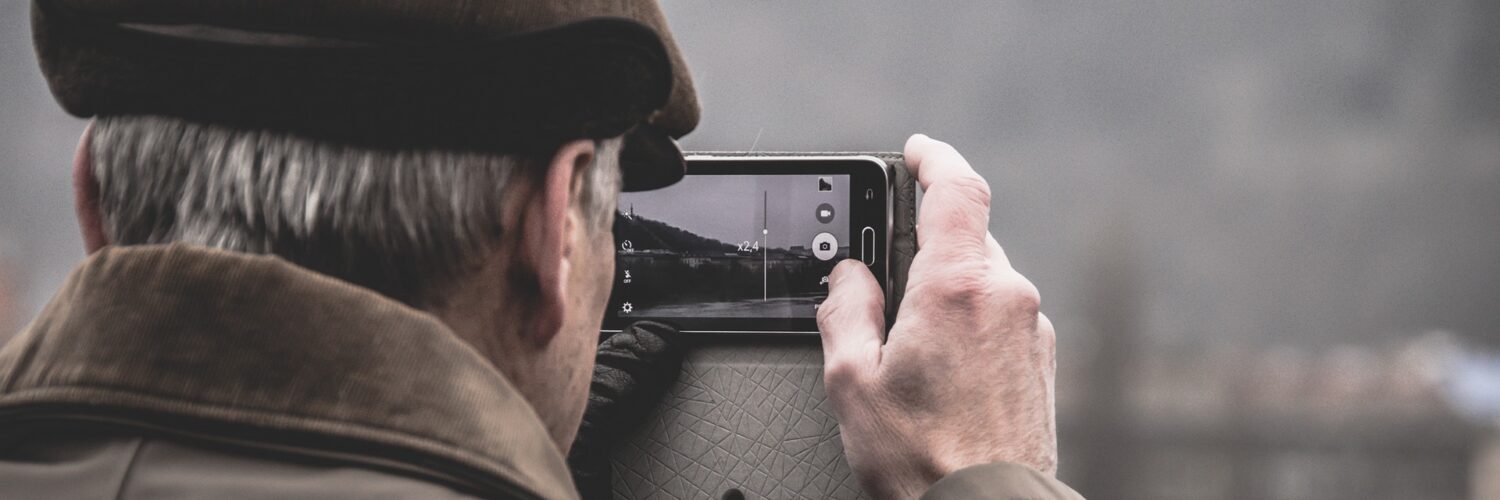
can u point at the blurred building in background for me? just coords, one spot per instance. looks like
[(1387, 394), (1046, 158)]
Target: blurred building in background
[(1202, 420), (1245, 218), (1411, 416)]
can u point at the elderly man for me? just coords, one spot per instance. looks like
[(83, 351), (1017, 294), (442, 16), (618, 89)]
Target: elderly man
[(345, 249)]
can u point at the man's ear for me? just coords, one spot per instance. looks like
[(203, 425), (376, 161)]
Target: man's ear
[(548, 223), (86, 195)]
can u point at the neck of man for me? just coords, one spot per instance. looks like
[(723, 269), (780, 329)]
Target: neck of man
[(484, 312)]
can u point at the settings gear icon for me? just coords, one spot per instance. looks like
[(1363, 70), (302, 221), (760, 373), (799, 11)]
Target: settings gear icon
[(626, 308)]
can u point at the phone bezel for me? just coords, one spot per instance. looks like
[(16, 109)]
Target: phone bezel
[(865, 171)]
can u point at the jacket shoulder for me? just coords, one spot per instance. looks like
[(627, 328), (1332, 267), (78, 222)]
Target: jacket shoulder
[(998, 481), (132, 466)]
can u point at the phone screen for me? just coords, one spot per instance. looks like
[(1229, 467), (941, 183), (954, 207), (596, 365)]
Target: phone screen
[(744, 245)]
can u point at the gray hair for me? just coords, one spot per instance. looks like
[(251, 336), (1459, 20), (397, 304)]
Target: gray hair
[(405, 223)]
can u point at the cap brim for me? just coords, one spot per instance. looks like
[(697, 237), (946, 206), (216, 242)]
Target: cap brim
[(650, 159), (518, 93)]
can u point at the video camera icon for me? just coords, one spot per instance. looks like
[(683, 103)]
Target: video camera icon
[(824, 213), (825, 246)]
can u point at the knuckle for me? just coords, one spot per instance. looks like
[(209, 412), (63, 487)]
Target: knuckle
[(963, 287), (970, 188), (975, 294), (840, 376), (1020, 294)]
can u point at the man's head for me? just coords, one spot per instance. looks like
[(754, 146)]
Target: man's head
[(513, 251), (462, 157)]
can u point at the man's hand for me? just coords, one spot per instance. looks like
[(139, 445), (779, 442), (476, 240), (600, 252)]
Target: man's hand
[(966, 377)]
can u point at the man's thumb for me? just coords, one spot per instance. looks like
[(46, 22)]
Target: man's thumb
[(852, 321)]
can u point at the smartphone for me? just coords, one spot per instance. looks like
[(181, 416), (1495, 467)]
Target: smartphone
[(744, 244)]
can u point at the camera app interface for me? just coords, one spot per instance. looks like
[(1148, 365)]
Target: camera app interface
[(730, 246)]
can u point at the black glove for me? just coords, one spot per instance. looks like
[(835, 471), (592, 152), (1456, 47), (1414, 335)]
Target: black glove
[(633, 370)]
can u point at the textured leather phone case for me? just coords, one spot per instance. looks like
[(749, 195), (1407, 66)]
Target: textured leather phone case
[(751, 415)]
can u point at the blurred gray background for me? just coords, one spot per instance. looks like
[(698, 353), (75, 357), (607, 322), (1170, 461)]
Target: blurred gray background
[(1256, 225)]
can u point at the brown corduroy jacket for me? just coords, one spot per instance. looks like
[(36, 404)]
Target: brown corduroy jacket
[(183, 372)]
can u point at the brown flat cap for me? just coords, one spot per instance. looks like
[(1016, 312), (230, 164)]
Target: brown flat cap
[(483, 75)]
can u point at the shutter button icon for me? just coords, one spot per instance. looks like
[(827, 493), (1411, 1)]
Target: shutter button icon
[(825, 246)]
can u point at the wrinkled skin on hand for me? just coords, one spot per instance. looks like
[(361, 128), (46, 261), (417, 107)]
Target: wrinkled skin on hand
[(966, 376)]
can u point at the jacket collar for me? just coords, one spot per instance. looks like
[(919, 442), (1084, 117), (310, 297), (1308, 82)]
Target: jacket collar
[(254, 341)]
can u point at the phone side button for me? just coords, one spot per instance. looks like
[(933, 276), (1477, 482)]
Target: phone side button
[(867, 245)]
